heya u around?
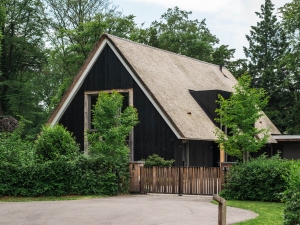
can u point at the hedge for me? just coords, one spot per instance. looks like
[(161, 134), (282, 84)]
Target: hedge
[(82, 176), (291, 196), (260, 179)]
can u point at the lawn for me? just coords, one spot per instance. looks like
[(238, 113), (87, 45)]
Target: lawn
[(270, 213)]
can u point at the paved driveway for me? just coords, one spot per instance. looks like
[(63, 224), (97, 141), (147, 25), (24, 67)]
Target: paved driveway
[(132, 209)]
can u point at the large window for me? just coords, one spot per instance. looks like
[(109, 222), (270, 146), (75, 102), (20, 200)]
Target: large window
[(90, 99)]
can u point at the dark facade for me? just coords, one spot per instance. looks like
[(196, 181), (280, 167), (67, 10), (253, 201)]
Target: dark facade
[(152, 134), (207, 101)]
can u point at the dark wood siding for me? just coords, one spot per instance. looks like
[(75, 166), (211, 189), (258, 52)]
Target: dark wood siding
[(204, 153), (207, 101), (291, 150), (107, 73), (151, 135)]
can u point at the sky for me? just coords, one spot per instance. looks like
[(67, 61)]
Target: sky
[(229, 20)]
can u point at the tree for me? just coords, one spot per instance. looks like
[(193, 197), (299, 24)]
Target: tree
[(175, 32), (239, 114), (22, 59), (2, 19), (113, 126), (267, 47), (77, 26), (290, 20)]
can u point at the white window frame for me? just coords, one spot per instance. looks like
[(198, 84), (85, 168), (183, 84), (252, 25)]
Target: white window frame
[(87, 116)]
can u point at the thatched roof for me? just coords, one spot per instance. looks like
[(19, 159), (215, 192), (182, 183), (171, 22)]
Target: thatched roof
[(167, 79)]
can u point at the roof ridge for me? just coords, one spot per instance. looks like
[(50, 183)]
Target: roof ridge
[(159, 49)]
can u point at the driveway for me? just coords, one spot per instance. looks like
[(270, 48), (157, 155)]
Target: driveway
[(131, 209)]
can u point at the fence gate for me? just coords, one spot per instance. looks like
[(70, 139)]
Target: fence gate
[(180, 180)]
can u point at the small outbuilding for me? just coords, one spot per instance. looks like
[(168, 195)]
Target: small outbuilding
[(174, 95)]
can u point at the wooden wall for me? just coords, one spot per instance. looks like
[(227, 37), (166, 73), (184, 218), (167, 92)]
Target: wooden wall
[(204, 153), (152, 134)]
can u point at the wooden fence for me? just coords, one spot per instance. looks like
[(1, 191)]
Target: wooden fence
[(180, 180)]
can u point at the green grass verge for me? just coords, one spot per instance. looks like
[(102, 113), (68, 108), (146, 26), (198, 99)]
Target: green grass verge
[(47, 198), (270, 213)]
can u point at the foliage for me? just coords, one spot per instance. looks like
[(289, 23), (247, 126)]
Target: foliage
[(47, 198), (15, 150), (113, 126), (54, 142), (2, 20), (82, 176), (260, 179), (268, 47), (155, 160), (291, 24), (77, 26), (239, 113), (22, 59), (176, 32), (265, 215), (292, 195)]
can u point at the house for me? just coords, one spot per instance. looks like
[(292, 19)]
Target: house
[(174, 95)]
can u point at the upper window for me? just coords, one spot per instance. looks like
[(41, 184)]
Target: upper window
[(90, 99), (93, 100)]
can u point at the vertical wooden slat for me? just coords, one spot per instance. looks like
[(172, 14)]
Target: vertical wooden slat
[(191, 180), (201, 181), (185, 178), (177, 180), (219, 179), (215, 181), (142, 177), (180, 181), (210, 181), (197, 181)]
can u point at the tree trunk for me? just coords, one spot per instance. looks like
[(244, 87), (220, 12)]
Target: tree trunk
[(245, 156)]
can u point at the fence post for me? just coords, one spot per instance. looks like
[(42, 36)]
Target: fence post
[(180, 182), (142, 180), (222, 209), (154, 184)]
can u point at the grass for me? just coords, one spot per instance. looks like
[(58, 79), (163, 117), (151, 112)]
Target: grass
[(270, 213), (47, 198)]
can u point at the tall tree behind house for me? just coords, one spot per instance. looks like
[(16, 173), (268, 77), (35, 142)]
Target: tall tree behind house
[(291, 24), (267, 47)]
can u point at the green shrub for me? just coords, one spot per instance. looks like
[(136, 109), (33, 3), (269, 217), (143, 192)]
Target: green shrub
[(260, 179), (291, 196), (15, 150), (82, 176), (155, 160), (54, 142)]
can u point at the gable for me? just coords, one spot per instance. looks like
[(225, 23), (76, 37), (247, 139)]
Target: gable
[(165, 78)]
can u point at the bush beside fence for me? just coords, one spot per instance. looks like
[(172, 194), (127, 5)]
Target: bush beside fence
[(82, 176), (260, 179), (291, 196)]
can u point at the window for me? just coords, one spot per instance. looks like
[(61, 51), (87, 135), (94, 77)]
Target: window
[(90, 99)]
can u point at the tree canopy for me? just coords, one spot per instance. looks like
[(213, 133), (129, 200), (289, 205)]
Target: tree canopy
[(268, 53), (44, 43), (238, 114)]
